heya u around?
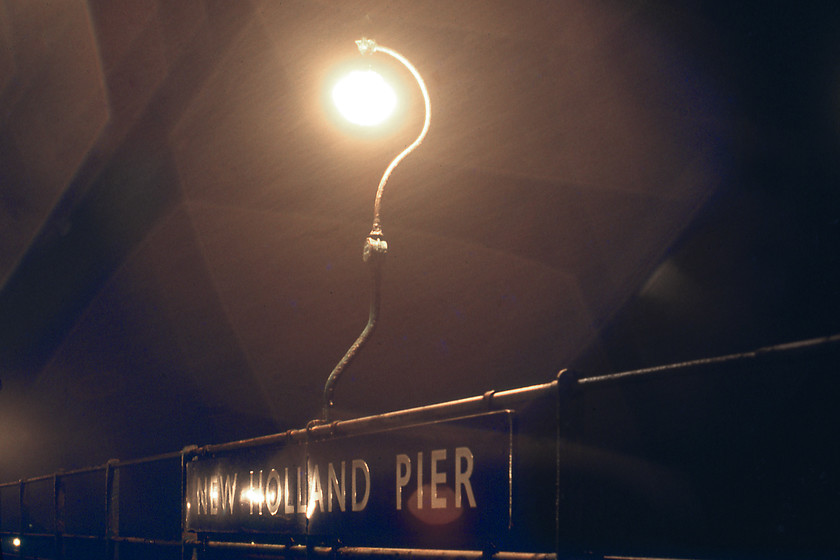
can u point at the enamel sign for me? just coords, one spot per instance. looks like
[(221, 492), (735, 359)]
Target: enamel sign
[(440, 484)]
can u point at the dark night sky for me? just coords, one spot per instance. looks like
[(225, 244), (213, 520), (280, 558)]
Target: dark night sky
[(606, 186), (760, 265)]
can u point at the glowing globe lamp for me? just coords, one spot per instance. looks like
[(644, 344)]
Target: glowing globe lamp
[(364, 98)]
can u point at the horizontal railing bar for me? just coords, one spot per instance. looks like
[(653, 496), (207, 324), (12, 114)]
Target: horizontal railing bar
[(82, 537), (26, 480), (643, 558), (152, 459), (61, 474), (115, 538), (141, 540), (491, 400), (431, 553), (761, 353), (359, 551), (86, 470), (79, 471), (350, 551), (36, 535)]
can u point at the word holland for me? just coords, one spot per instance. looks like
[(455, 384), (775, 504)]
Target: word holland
[(288, 491)]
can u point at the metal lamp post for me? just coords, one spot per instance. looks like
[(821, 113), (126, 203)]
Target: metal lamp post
[(375, 247)]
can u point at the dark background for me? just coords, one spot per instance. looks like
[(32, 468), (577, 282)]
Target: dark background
[(605, 186)]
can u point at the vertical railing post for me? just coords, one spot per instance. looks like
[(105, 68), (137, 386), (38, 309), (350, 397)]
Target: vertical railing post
[(59, 501), (183, 501), (567, 390), (24, 517), (112, 510), (186, 549)]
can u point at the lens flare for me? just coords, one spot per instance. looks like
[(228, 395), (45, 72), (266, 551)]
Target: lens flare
[(363, 97)]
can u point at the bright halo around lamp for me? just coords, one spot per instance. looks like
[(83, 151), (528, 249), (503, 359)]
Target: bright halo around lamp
[(364, 98)]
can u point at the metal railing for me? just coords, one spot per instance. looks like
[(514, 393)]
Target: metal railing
[(125, 509), (135, 508), (95, 512)]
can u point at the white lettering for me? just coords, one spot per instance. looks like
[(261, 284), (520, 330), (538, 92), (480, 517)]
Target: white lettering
[(447, 470), (256, 495), (214, 496), (462, 477), (403, 475), (288, 506), (315, 492), (437, 478), (273, 496), (420, 480), (301, 492), (359, 464), (333, 485), (228, 493), (201, 495)]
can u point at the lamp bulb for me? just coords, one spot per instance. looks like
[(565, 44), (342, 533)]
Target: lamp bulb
[(363, 97)]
